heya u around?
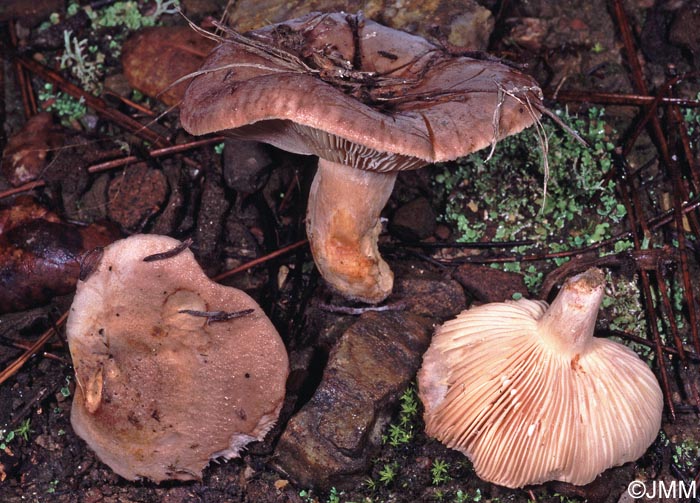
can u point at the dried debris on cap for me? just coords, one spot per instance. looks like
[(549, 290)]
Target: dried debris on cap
[(172, 369), (369, 101), (529, 395), (353, 91)]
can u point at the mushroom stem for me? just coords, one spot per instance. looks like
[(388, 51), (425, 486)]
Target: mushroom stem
[(569, 322), (342, 223)]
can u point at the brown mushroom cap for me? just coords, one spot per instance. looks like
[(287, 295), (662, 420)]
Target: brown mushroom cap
[(159, 391), (358, 93), (529, 395)]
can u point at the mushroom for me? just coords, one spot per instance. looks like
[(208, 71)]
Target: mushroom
[(529, 395), (369, 101), (172, 369)]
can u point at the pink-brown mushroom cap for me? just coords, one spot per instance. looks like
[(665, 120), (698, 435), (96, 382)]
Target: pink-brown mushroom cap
[(161, 392), (358, 95), (526, 392), (415, 103)]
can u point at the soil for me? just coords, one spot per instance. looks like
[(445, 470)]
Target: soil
[(573, 48)]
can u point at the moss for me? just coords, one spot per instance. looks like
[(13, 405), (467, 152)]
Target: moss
[(503, 199), (65, 106), (686, 455)]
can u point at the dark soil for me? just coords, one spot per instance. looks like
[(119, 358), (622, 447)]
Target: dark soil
[(573, 48)]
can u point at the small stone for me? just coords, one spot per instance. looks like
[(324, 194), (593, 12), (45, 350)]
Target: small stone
[(487, 284), (464, 24), (136, 195), (329, 442), (414, 221), (246, 165), (428, 294)]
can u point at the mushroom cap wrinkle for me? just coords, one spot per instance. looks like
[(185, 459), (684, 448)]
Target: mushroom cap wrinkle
[(352, 91), (160, 392), (529, 399), (357, 95)]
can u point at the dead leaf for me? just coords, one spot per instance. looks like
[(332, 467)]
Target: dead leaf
[(156, 57), (29, 150), (136, 195), (30, 12), (23, 210), (487, 284), (40, 257)]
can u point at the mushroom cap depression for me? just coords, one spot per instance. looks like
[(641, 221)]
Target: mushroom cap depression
[(529, 395), (354, 92), (358, 95), (160, 391)]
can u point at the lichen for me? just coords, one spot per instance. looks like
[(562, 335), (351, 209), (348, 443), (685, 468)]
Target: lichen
[(503, 199)]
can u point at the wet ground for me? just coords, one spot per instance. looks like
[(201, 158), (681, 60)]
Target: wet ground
[(440, 223)]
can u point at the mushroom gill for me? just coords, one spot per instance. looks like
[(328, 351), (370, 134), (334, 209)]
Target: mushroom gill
[(369, 101), (529, 395)]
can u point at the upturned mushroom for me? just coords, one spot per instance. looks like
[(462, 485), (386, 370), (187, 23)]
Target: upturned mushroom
[(369, 101), (172, 369), (529, 395)]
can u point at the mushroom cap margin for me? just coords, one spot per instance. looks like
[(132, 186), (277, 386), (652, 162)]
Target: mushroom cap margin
[(450, 115), (525, 415), (159, 393)]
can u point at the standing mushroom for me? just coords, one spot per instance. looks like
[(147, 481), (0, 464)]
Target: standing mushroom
[(529, 395), (369, 101), (172, 369)]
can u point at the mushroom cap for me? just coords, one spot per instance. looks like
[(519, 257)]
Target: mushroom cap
[(161, 392), (500, 390), (355, 92)]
